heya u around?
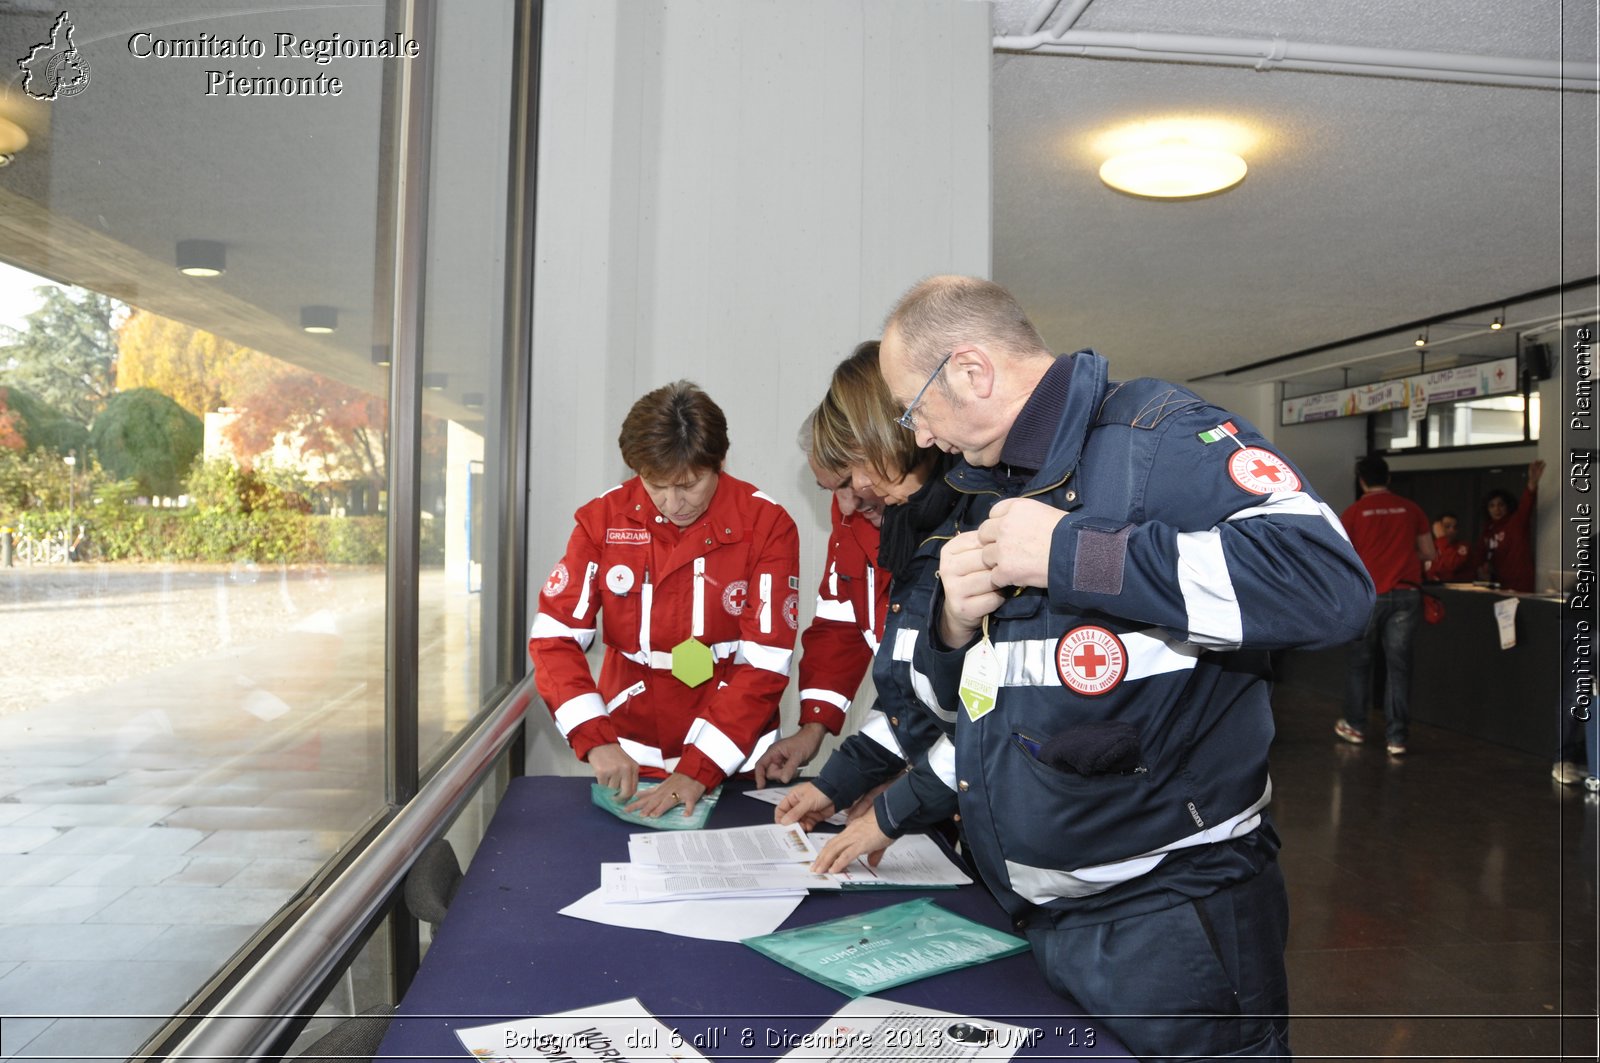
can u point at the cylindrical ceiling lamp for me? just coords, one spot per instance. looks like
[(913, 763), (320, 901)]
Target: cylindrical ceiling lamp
[(201, 258), (319, 320)]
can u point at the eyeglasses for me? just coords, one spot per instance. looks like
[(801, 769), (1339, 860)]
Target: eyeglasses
[(906, 420)]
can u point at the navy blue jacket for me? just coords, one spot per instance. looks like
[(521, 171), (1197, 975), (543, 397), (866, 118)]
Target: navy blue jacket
[(1190, 549)]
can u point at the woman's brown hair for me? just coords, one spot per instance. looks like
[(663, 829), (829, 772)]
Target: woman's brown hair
[(673, 429)]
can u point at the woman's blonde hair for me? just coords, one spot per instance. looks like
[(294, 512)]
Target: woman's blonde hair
[(856, 422)]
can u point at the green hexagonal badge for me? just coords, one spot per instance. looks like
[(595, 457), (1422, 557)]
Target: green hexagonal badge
[(691, 662)]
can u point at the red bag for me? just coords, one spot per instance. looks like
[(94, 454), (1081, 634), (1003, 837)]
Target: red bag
[(1432, 609)]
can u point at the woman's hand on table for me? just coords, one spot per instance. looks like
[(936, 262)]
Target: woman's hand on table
[(805, 804), (860, 838), (673, 791), (613, 768)]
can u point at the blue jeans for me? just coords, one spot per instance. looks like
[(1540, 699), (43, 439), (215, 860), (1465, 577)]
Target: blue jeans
[(1393, 628)]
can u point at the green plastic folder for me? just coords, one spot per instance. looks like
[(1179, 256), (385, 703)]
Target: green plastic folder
[(672, 819), (873, 951)]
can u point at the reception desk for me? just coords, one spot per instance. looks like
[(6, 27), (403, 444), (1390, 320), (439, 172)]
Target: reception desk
[(1461, 679)]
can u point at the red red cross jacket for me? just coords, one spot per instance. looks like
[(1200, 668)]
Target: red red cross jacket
[(838, 645), (730, 580)]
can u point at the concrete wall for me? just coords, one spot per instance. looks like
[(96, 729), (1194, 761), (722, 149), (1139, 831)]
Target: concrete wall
[(735, 192)]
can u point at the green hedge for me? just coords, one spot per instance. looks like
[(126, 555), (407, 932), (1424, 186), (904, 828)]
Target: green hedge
[(141, 533)]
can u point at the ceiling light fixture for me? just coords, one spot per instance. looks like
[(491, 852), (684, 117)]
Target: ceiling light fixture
[(201, 258), (319, 320), (1422, 338), (380, 354), (1173, 169), (472, 400), (435, 381), (1499, 322), (1175, 156), (13, 138)]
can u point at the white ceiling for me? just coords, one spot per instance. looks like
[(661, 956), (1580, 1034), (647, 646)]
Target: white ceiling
[(1371, 202)]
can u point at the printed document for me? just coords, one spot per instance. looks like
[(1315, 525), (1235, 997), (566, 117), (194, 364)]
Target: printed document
[(768, 843)]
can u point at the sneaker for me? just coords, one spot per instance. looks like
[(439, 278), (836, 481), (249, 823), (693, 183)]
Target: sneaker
[(1348, 733), (1566, 773), (1397, 749)]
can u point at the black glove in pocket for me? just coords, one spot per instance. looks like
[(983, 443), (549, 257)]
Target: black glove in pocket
[(1103, 747)]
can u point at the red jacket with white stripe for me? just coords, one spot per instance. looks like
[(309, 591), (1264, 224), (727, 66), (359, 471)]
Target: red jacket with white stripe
[(730, 580), (838, 645)]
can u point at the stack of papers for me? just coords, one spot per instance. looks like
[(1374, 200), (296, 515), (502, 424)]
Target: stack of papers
[(741, 882)]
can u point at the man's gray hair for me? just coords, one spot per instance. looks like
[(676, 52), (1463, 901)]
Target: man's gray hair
[(941, 313)]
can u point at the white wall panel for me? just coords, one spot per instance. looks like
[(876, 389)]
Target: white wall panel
[(735, 192)]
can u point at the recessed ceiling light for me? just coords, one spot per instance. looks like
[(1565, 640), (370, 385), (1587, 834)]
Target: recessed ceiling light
[(201, 258), (319, 320)]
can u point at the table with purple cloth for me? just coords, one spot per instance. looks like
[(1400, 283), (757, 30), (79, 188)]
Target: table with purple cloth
[(504, 953)]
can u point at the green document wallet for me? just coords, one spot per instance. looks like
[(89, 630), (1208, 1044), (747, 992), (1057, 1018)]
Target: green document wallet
[(672, 819), (873, 951)]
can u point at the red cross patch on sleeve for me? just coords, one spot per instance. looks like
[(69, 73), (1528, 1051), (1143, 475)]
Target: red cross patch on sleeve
[(1261, 472)]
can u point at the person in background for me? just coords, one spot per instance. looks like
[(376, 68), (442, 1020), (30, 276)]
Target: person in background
[(1390, 533), (852, 598), (1119, 563), (854, 429), (1451, 556), (692, 577), (1504, 554)]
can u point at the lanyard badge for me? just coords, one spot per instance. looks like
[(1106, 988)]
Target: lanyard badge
[(980, 678)]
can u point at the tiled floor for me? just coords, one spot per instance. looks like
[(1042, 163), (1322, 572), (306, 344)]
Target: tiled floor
[(1442, 905)]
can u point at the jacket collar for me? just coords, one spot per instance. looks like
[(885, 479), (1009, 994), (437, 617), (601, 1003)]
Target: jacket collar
[(1061, 413)]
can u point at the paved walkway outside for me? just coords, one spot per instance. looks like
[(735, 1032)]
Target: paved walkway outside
[(181, 747)]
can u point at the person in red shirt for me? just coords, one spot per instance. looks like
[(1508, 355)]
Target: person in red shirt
[(1452, 557), (1392, 537), (1504, 553), (692, 577)]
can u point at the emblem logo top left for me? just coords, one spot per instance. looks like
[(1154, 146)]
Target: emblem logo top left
[(55, 69)]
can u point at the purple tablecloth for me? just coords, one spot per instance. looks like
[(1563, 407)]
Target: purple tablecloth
[(504, 953)]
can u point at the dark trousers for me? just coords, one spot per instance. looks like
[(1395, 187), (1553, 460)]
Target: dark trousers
[(1391, 631), (1201, 980)]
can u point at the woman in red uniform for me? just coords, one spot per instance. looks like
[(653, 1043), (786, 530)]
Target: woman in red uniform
[(1504, 554), (692, 577)]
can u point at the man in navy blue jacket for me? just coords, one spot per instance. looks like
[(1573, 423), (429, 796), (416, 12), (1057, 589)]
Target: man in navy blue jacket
[(1124, 558)]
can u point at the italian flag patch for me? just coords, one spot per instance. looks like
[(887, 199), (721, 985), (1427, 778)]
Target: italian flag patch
[(1225, 430)]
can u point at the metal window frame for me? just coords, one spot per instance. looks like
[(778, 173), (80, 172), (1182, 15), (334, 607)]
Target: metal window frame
[(260, 999)]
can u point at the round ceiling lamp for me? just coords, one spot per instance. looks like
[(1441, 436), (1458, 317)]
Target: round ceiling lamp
[(13, 138), (1173, 169)]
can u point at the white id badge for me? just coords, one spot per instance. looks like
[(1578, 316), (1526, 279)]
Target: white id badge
[(980, 680)]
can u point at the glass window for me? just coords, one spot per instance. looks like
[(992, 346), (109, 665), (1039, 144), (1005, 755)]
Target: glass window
[(194, 450), (464, 444), (1491, 421)]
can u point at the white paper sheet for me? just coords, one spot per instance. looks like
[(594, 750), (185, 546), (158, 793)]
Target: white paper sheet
[(622, 1029), (870, 1028), (774, 795), (766, 843), (647, 884), (716, 919), (1505, 618), (913, 860)]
